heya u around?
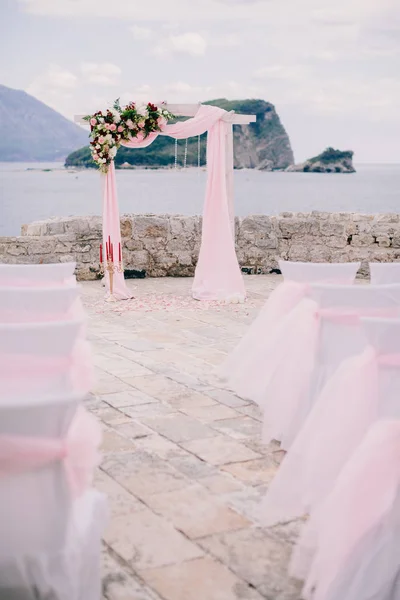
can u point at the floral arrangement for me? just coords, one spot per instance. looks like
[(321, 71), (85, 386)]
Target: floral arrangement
[(110, 128)]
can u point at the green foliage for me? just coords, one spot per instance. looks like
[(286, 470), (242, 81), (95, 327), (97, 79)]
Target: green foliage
[(161, 153), (332, 155)]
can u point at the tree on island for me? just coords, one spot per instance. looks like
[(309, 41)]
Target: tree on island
[(329, 161)]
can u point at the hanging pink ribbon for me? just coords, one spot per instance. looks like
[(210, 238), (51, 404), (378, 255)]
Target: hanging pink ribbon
[(78, 451)]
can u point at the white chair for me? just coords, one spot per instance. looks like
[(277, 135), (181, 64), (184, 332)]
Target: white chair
[(349, 548), (344, 410), (37, 275), (383, 335), (49, 540), (306, 272), (313, 340), (43, 359), (244, 367), (384, 273), (30, 305)]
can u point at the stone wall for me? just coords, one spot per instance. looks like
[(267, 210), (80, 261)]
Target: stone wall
[(168, 245)]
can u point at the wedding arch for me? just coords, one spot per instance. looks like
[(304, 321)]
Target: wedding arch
[(217, 275)]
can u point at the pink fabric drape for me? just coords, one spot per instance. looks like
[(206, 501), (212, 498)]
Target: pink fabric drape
[(244, 369), (78, 450), (364, 492), (218, 275)]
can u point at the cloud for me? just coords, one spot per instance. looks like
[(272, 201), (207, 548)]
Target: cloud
[(185, 91), (56, 77), (55, 88), (283, 72), (228, 40), (106, 74), (206, 10), (190, 43), (141, 33)]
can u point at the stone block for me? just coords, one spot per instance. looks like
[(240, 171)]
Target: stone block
[(383, 241), (126, 227), (16, 250), (55, 228), (150, 227), (328, 228), (147, 541), (38, 228), (362, 239), (258, 558), (200, 579), (41, 246)]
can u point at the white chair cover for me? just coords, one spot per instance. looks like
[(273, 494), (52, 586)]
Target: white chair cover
[(244, 368), (309, 346), (384, 273), (30, 305), (307, 272), (37, 275), (347, 406), (37, 360), (49, 543)]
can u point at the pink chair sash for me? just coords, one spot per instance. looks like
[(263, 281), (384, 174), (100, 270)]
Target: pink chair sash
[(37, 283), (348, 316), (78, 451), (15, 368)]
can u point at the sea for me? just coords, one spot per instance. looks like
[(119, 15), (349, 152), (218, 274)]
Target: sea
[(36, 191)]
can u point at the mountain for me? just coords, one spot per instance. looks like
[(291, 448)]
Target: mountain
[(329, 161), (261, 145), (32, 131)]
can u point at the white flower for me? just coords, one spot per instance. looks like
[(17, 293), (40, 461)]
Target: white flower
[(116, 115), (101, 120), (103, 160), (142, 110), (113, 152), (98, 146)]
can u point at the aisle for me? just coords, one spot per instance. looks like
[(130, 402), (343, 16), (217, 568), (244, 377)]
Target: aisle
[(183, 467)]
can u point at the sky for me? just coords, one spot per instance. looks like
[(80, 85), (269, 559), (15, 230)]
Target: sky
[(330, 67)]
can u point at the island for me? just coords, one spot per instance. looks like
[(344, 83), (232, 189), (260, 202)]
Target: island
[(263, 145), (329, 161)]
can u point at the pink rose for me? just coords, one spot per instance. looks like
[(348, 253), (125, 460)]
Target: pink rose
[(95, 157), (101, 140), (141, 124), (130, 123), (120, 128), (107, 126), (112, 127), (93, 122)]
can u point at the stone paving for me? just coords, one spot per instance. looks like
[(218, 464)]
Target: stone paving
[(183, 466)]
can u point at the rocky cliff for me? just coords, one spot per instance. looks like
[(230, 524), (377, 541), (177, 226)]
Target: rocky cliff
[(329, 161), (261, 145), (32, 131)]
